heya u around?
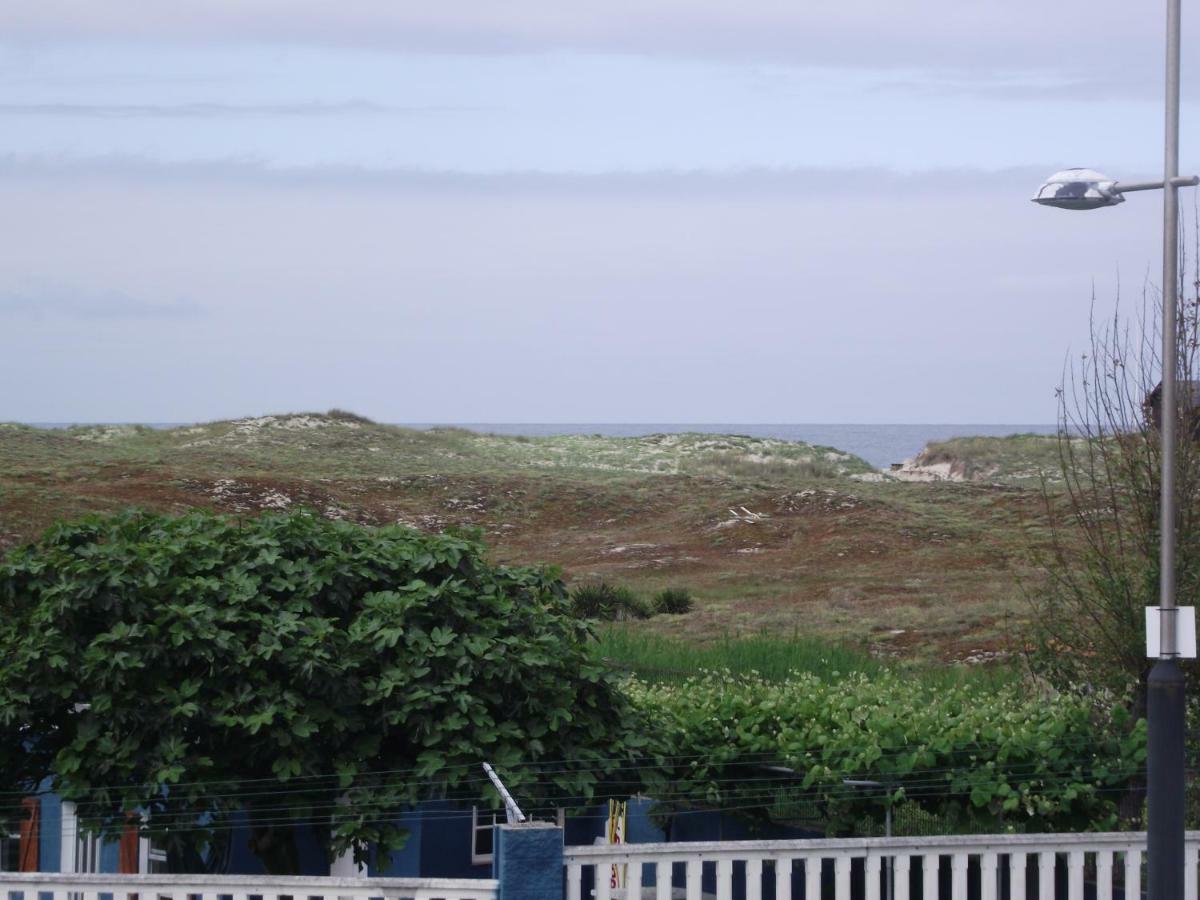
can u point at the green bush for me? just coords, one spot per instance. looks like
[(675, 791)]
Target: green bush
[(200, 667), (608, 603), (1004, 759), (673, 601)]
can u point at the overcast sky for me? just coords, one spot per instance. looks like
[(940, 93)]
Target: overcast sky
[(629, 211)]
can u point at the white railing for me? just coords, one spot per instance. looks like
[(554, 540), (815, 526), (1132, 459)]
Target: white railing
[(1009, 867), (39, 886)]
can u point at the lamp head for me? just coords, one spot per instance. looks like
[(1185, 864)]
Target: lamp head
[(1078, 189)]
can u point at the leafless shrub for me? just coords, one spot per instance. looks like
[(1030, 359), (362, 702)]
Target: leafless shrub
[(1102, 564)]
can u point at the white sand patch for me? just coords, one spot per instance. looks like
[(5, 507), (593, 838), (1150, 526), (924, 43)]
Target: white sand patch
[(942, 471), (103, 434)]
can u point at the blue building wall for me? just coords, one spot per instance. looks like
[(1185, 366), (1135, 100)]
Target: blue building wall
[(311, 851), (50, 834), (404, 863)]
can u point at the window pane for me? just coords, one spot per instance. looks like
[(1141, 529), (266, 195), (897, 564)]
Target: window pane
[(9, 851), (483, 840)]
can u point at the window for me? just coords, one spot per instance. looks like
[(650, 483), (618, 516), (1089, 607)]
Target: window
[(87, 853), (482, 823), (80, 852), (156, 858), (482, 835), (10, 852)]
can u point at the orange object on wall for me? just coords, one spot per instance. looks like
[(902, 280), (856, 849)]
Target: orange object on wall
[(127, 861), (27, 844)]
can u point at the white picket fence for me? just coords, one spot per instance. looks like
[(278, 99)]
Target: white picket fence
[(38, 886), (1112, 861)]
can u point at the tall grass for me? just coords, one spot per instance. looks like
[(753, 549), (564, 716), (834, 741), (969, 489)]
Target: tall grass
[(657, 658), (661, 658)]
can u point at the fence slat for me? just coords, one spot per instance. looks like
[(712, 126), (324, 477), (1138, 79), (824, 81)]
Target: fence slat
[(662, 881), (900, 868), (754, 874), (1133, 873), (783, 878), (1075, 875), (988, 874), (872, 867), (1046, 861), (812, 878), (1016, 876), (633, 881), (574, 881), (841, 877), (695, 879), (929, 875), (1189, 873), (958, 876), (1104, 875), (725, 879), (603, 888)]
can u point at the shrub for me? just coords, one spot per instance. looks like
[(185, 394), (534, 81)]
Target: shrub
[(673, 601), (609, 603), (344, 415), (1006, 759), (200, 667)]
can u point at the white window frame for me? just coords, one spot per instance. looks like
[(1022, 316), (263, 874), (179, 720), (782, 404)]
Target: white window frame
[(480, 859), (152, 859), (78, 850)]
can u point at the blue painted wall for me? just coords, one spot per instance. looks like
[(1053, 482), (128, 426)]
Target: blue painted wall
[(242, 861), (404, 863), (50, 833)]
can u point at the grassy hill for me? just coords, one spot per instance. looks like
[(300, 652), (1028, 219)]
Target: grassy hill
[(772, 537)]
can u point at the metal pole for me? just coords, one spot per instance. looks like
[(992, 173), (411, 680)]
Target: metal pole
[(1165, 702), (887, 829)]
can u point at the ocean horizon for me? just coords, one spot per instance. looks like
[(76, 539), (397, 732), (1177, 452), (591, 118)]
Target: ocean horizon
[(879, 444)]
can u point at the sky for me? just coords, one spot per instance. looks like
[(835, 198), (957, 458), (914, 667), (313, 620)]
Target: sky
[(630, 211)]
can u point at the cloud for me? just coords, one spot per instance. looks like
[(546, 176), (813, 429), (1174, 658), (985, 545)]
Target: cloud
[(214, 110), (807, 181), (56, 301), (669, 296), (1071, 35), (1007, 88)]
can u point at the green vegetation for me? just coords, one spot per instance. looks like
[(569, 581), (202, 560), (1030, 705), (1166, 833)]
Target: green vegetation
[(195, 666), (673, 602), (770, 536), (608, 603), (1011, 759), (656, 659), (659, 659)]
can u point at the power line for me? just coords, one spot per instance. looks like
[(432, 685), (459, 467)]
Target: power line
[(566, 766)]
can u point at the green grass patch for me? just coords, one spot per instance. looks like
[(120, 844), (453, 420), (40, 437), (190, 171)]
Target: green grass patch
[(657, 658), (660, 659)]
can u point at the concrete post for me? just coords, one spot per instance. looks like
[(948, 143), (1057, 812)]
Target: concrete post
[(528, 861)]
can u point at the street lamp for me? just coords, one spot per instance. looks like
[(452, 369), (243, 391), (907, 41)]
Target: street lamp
[(1087, 189)]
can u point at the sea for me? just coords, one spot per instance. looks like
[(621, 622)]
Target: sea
[(880, 445)]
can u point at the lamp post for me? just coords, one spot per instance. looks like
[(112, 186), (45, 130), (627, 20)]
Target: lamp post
[(1087, 189)]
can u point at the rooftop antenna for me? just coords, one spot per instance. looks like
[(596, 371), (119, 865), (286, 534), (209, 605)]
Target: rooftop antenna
[(510, 805)]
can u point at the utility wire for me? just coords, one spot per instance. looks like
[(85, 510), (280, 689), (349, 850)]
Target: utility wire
[(539, 767)]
